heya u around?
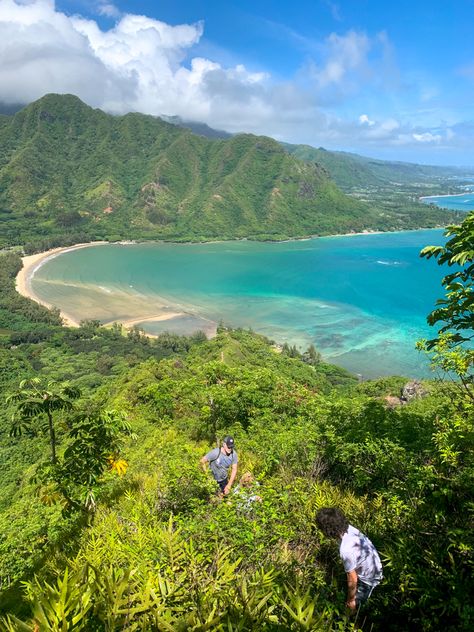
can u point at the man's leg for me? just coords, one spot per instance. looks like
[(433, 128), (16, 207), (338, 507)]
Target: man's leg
[(222, 485), (363, 592)]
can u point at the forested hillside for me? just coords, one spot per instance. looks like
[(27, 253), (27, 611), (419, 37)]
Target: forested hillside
[(113, 525), (390, 187), (69, 173), (351, 171)]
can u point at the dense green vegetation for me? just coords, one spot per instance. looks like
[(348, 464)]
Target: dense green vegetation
[(391, 187), (451, 348), (123, 531), (69, 173), (351, 171)]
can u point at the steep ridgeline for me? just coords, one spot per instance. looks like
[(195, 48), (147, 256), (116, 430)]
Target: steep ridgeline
[(351, 171), (69, 170)]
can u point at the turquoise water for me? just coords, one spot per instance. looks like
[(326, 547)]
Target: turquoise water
[(464, 202), (362, 300)]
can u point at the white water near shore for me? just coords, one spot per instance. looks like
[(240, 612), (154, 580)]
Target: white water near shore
[(362, 301), (31, 265), (456, 201)]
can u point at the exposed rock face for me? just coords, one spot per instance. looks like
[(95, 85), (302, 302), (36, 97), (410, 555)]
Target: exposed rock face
[(413, 390)]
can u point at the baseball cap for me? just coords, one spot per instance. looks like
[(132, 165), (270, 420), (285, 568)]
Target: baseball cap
[(229, 441)]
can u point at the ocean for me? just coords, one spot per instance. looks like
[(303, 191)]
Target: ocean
[(464, 202), (362, 300)]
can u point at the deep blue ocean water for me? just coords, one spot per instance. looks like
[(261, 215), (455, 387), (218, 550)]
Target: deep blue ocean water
[(362, 300)]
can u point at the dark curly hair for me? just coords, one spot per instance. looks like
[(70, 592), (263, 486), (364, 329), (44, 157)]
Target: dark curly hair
[(332, 521)]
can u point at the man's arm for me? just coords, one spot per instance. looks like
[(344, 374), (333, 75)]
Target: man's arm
[(204, 463), (351, 589), (233, 474)]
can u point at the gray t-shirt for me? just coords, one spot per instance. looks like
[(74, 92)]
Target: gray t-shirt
[(359, 554), (220, 462)]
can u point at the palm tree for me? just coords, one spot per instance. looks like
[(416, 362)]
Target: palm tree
[(39, 400)]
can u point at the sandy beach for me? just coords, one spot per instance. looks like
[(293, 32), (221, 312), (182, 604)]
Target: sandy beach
[(32, 263), (361, 233), (158, 317), (429, 197)]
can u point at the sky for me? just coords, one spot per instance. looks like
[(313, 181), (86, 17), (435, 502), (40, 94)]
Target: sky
[(391, 80)]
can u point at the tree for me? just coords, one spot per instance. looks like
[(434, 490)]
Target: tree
[(36, 400), (67, 219), (455, 310), (137, 334), (311, 356), (97, 440), (454, 313)]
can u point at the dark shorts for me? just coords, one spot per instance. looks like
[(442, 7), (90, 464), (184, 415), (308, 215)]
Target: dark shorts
[(222, 484), (363, 592)]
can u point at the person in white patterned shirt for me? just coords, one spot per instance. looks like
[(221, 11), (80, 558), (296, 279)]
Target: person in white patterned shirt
[(359, 556)]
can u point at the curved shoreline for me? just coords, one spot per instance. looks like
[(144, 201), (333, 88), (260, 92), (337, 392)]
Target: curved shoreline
[(32, 263), (429, 197)]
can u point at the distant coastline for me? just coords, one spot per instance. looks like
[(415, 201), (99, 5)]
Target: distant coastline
[(429, 197)]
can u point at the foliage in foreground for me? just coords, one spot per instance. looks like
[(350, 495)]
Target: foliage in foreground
[(451, 350), (162, 554), (184, 591), (161, 550)]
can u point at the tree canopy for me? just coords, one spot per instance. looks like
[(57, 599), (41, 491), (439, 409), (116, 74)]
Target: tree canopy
[(451, 350), (455, 311)]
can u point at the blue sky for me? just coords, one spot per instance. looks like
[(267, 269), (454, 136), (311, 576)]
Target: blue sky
[(389, 80)]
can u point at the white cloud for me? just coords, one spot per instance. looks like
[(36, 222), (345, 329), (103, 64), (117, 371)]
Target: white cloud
[(138, 64), (428, 137), (343, 55), (390, 125), (142, 64), (108, 9), (364, 120)]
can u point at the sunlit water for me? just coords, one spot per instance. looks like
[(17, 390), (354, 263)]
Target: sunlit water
[(362, 300), (464, 202)]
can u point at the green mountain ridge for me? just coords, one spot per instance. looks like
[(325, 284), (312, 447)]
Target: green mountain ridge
[(69, 170), (348, 169), (351, 171)]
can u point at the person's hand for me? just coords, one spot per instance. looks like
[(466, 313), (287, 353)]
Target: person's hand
[(351, 605), (226, 490)]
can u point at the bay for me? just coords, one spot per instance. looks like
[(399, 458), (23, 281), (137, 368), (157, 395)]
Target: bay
[(362, 300), (462, 202)]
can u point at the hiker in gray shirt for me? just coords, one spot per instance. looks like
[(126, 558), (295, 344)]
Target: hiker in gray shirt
[(219, 460)]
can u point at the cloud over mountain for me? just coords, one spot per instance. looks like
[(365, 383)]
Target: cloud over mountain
[(146, 65)]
